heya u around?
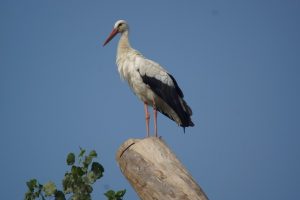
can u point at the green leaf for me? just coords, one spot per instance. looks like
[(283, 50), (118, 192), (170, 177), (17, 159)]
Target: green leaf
[(120, 194), (59, 195), (89, 189), (82, 152), (93, 154), (91, 177), (98, 169), (31, 184), (68, 183), (71, 159), (49, 188), (87, 161), (77, 171), (110, 194)]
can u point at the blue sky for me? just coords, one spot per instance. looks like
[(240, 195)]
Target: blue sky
[(237, 62)]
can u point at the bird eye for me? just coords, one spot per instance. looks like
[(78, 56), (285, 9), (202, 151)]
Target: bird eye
[(120, 24)]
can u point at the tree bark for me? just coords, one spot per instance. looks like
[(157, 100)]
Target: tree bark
[(155, 172)]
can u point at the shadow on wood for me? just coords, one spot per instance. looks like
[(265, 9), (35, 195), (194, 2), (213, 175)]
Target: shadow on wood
[(155, 172)]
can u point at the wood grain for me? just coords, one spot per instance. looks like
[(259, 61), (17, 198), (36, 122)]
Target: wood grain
[(154, 171)]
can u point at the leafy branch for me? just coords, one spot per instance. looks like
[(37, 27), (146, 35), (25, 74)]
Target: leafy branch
[(77, 183)]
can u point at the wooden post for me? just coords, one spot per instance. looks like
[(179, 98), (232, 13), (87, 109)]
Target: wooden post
[(155, 172)]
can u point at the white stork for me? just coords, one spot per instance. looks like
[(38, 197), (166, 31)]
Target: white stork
[(149, 81)]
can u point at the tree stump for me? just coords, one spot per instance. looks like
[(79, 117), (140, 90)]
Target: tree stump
[(155, 172)]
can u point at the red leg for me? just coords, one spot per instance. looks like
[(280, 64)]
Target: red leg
[(147, 116), (155, 118)]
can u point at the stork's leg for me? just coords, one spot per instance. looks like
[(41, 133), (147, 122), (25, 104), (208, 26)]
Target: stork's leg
[(147, 116), (155, 118)]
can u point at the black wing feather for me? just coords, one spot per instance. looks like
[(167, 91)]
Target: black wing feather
[(180, 93), (171, 95)]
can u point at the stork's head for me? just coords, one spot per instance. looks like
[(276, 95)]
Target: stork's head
[(119, 27)]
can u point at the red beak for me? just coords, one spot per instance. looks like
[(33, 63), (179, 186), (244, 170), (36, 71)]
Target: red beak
[(111, 36)]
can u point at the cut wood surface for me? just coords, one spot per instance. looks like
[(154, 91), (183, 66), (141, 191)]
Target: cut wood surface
[(155, 172)]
